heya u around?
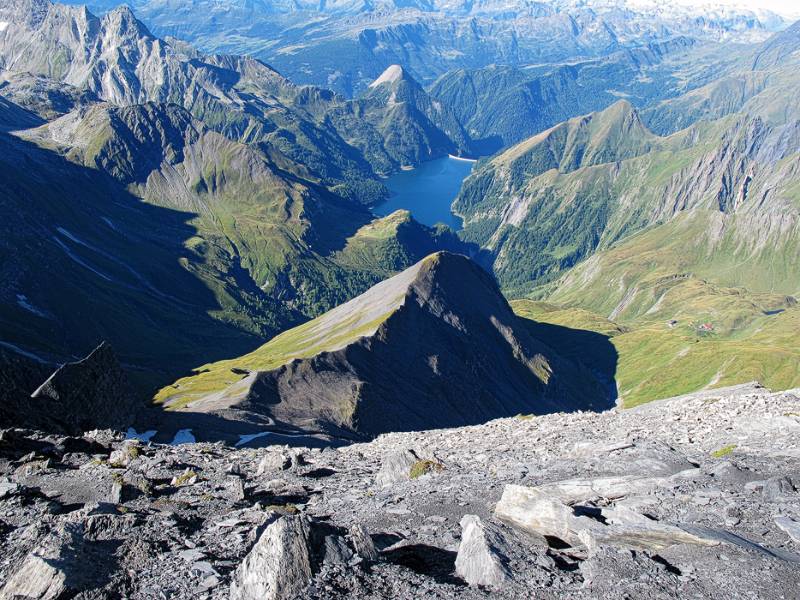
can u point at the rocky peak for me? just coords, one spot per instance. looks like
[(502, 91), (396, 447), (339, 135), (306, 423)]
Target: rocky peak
[(395, 85), (466, 359), (391, 75), (29, 12), (122, 22)]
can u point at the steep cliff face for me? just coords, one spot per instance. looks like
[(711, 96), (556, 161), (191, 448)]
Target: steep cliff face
[(435, 346)]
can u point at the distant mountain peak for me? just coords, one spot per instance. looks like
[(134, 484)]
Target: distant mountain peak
[(122, 19), (392, 74)]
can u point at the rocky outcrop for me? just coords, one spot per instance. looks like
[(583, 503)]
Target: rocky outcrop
[(578, 525), (396, 466), (435, 346), (93, 393), (64, 564)]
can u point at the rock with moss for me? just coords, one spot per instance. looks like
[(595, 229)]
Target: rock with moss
[(425, 467), (122, 457), (396, 466)]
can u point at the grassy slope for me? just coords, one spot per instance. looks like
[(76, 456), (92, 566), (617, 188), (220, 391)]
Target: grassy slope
[(335, 329), (753, 338)]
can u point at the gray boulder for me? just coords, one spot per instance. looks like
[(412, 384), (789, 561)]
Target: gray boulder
[(533, 510), (61, 566), (279, 565), (362, 543), (280, 459), (790, 527), (396, 466), (481, 560), (778, 489)]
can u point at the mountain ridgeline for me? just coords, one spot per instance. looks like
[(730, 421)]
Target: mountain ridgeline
[(671, 229), (345, 45), (223, 375), (434, 346)]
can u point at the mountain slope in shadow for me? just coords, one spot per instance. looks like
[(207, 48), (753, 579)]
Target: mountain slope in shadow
[(435, 346)]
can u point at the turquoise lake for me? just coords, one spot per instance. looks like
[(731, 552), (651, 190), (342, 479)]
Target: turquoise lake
[(427, 191)]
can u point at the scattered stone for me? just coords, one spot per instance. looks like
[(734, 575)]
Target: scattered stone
[(790, 527), (273, 461), (362, 543), (235, 487), (778, 489), (115, 495), (8, 489), (607, 566), (480, 559), (188, 477), (122, 457), (600, 526)]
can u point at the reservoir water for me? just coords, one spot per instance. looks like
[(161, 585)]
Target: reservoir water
[(427, 191)]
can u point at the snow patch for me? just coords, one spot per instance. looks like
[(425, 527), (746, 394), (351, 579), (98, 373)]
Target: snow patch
[(184, 436), (74, 238), (132, 434), (390, 75), (22, 300), (243, 439), (30, 355), (79, 261), (3, 25)]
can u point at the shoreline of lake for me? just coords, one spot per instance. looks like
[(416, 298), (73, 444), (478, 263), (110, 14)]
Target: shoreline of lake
[(428, 191)]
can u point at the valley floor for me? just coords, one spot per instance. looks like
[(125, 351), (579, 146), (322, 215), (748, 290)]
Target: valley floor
[(688, 497)]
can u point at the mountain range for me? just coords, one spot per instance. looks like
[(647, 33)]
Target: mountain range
[(344, 45), (223, 375), (645, 175), (643, 223), (209, 199)]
